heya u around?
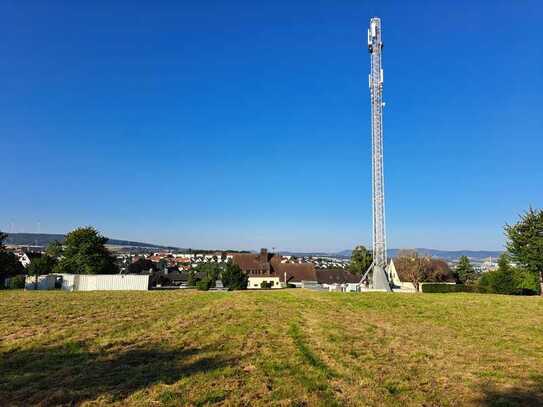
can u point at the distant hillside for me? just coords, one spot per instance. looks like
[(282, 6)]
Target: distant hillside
[(451, 255), (43, 239), (454, 254)]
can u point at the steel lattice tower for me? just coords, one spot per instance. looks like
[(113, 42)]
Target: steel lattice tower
[(375, 47)]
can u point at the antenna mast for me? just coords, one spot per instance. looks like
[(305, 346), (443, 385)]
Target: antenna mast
[(375, 47)]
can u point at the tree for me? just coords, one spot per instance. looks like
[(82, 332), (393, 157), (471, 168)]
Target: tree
[(212, 273), (212, 270), (9, 263), (361, 259), (525, 243), (54, 249), (439, 271), (163, 266), (500, 281), (85, 253), (3, 237), (412, 267), (465, 271), (41, 266), (234, 278)]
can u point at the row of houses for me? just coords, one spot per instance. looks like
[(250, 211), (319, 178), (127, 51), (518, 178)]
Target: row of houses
[(186, 262), (270, 270)]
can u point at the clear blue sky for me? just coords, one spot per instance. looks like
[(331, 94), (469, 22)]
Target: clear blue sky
[(244, 124)]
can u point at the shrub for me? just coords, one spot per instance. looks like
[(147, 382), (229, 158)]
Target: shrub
[(17, 281), (192, 280), (448, 288), (499, 282), (205, 284), (512, 281), (266, 284)]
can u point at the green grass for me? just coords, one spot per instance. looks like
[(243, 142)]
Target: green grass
[(288, 348)]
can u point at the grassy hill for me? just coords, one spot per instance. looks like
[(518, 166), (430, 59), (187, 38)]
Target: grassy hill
[(290, 347)]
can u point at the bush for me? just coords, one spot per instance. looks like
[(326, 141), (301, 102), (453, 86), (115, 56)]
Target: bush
[(510, 281), (192, 280), (448, 288), (205, 284), (17, 281), (266, 284), (497, 282)]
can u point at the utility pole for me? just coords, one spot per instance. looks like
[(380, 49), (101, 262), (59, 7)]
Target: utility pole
[(375, 48)]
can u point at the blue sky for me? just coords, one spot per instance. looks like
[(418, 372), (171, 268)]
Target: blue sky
[(245, 124)]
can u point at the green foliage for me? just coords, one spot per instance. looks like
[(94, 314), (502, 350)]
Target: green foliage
[(525, 243), (497, 282), (361, 259), (212, 273), (212, 270), (234, 278), (205, 283), (192, 280), (509, 280), (163, 265), (41, 265), (17, 282), (526, 282), (85, 253), (448, 288), (9, 264), (54, 249), (465, 271), (266, 284)]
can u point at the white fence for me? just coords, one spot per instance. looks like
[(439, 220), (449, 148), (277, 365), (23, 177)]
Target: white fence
[(104, 282), (46, 282)]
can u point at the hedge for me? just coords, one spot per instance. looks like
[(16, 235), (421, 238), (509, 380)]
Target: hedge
[(448, 288)]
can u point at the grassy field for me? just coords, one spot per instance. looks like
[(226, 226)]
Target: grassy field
[(291, 347)]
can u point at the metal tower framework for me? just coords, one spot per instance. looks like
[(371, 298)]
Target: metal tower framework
[(379, 266)]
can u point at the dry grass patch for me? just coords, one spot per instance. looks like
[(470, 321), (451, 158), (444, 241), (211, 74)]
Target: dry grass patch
[(291, 347)]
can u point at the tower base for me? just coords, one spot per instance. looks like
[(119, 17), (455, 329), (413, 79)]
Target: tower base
[(379, 279)]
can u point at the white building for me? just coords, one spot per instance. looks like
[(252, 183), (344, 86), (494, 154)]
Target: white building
[(256, 282)]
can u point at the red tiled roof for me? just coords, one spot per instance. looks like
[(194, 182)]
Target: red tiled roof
[(295, 272), (248, 262), (254, 264), (336, 276)]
